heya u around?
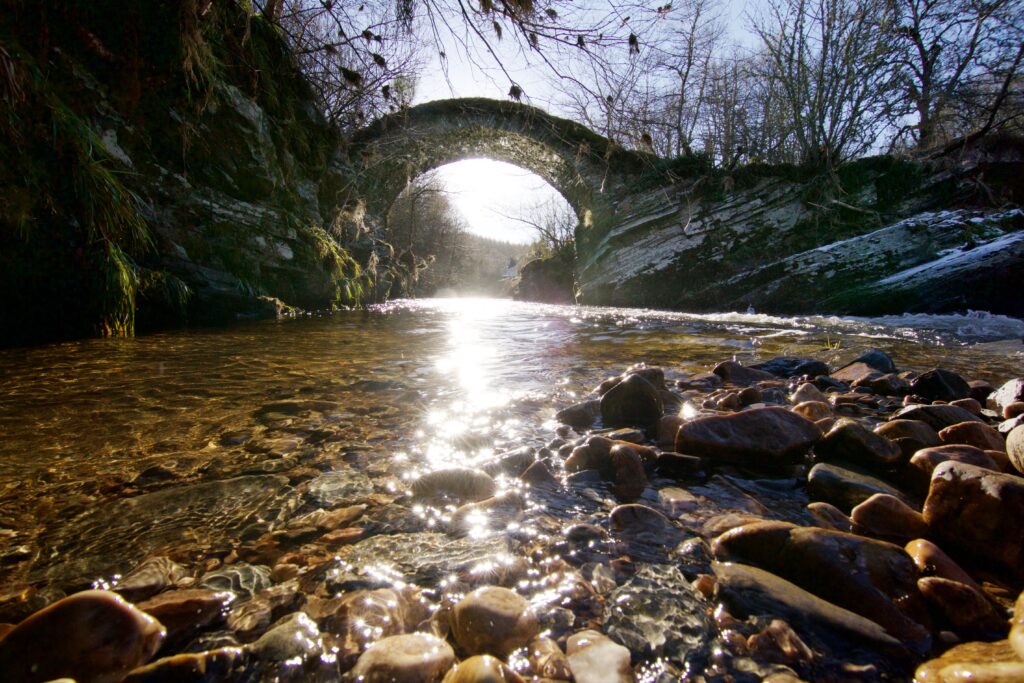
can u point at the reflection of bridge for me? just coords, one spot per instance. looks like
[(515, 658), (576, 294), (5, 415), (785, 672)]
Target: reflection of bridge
[(695, 239)]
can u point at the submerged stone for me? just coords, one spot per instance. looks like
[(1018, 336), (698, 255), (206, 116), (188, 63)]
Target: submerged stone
[(408, 658), (494, 620), (94, 637)]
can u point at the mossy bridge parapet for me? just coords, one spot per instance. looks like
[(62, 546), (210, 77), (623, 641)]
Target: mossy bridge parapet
[(679, 234)]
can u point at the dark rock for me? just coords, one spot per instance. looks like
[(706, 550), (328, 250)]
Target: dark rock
[(628, 473), (789, 366), (877, 359), (90, 636), (940, 385), (183, 612), (846, 487), (633, 519), (856, 373), (633, 402), (848, 441), (761, 437), (1009, 392), (677, 465), (910, 435), (539, 474), (875, 579), (828, 516), (889, 518), (937, 417), (494, 620), (654, 375), (580, 415), (979, 511), (513, 463), (1007, 426), (293, 639), (732, 372), (980, 390)]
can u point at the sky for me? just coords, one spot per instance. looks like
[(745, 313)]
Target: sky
[(482, 190)]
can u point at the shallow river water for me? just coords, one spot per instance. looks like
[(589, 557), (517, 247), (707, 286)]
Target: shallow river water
[(206, 445)]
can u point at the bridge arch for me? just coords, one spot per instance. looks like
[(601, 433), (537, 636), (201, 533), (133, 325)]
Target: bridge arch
[(584, 167)]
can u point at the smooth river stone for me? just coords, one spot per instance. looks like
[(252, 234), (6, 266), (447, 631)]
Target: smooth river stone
[(966, 608), (1015, 448), (750, 591), (910, 435), (732, 372), (979, 511), (93, 637), (976, 434), (792, 366), (875, 579), (628, 472), (408, 658), (580, 415), (596, 658), (924, 462), (482, 669), (463, 484), (848, 441), (633, 402), (846, 487), (494, 620), (931, 560), (183, 612), (979, 662), (109, 538), (937, 417), (813, 410), (1010, 392), (149, 578), (1017, 627), (887, 517), (807, 392), (940, 385), (547, 659), (760, 437)]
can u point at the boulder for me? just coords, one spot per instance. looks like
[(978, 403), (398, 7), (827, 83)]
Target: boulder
[(1010, 392), (976, 434), (633, 402), (937, 416), (848, 441), (791, 366), (732, 372), (980, 512), (1015, 448), (884, 516), (769, 438), (940, 385), (875, 579), (846, 486)]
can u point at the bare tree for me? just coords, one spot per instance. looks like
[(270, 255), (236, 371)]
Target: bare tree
[(554, 224), (956, 61), (830, 63)]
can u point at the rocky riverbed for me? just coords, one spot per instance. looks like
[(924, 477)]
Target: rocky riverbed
[(776, 521)]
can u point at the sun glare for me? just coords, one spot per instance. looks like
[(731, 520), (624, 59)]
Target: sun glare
[(490, 195)]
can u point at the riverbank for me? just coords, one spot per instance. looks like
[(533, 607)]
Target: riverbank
[(312, 509)]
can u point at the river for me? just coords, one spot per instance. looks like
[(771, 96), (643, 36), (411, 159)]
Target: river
[(202, 444)]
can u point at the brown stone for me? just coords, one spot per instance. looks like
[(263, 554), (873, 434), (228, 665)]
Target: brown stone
[(94, 637), (981, 662), (849, 441), (185, 611), (969, 404), (976, 434), (1012, 410), (628, 472), (732, 372), (409, 658), (482, 669), (595, 658), (937, 416), (875, 579), (1015, 448), (964, 607), (813, 410), (828, 516), (889, 518), (1017, 627), (760, 437), (493, 620), (979, 511), (924, 462), (931, 561)]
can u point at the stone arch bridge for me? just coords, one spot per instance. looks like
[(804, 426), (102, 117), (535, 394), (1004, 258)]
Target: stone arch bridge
[(677, 234)]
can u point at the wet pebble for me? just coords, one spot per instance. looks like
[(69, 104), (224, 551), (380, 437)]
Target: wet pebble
[(887, 517), (224, 664), (963, 607), (459, 483), (408, 658), (633, 402), (482, 669), (183, 612), (595, 658), (976, 434), (493, 620), (983, 662), (149, 578), (849, 441), (846, 486), (1015, 448), (761, 437)]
